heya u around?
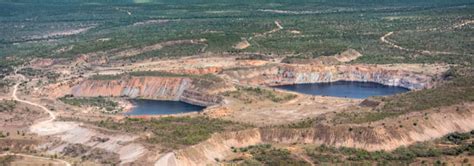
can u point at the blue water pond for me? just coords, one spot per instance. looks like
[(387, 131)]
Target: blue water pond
[(158, 107), (349, 89)]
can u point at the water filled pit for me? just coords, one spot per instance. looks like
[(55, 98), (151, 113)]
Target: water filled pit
[(347, 89), (159, 107)]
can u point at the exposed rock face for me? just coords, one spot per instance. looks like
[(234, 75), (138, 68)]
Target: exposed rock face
[(199, 98), (217, 147), (161, 88), (383, 135), (386, 135), (297, 74)]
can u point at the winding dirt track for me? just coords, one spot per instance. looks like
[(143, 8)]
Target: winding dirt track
[(394, 45), (245, 43), (51, 114), (51, 118), (278, 28)]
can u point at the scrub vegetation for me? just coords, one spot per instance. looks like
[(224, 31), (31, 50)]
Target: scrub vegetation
[(7, 105), (454, 92), (30, 72), (100, 102), (310, 28), (174, 132), (455, 144), (250, 94), (265, 154)]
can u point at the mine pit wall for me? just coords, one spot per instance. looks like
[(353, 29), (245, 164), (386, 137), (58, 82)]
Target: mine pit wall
[(381, 135), (377, 136), (157, 88), (218, 146), (299, 74)]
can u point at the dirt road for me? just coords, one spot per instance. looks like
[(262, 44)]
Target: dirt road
[(51, 118), (51, 114), (391, 43)]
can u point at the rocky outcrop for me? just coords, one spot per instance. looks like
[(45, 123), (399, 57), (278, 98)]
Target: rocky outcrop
[(199, 98), (285, 74), (143, 87), (159, 88)]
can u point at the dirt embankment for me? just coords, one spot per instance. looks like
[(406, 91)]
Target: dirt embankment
[(208, 152), (192, 90), (340, 58), (387, 134), (295, 74)]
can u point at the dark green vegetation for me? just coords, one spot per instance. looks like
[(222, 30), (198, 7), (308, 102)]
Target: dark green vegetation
[(100, 102), (170, 51), (250, 94), (7, 66), (454, 144), (174, 132), (106, 77), (53, 28), (30, 72), (265, 154), (7, 105)]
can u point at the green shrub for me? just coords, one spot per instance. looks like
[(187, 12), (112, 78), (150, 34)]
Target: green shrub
[(174, 132)]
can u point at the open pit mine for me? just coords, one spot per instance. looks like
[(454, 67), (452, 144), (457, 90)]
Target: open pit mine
[(239, 93), (236, 83)]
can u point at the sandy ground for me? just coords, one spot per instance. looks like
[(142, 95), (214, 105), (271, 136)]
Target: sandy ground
[(73, 133), (194, 62), (263, 113), (242, 45)]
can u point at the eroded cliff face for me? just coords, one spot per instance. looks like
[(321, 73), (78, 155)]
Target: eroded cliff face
[(296, 74), (217, 147), (387, 135), (160, 88)]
